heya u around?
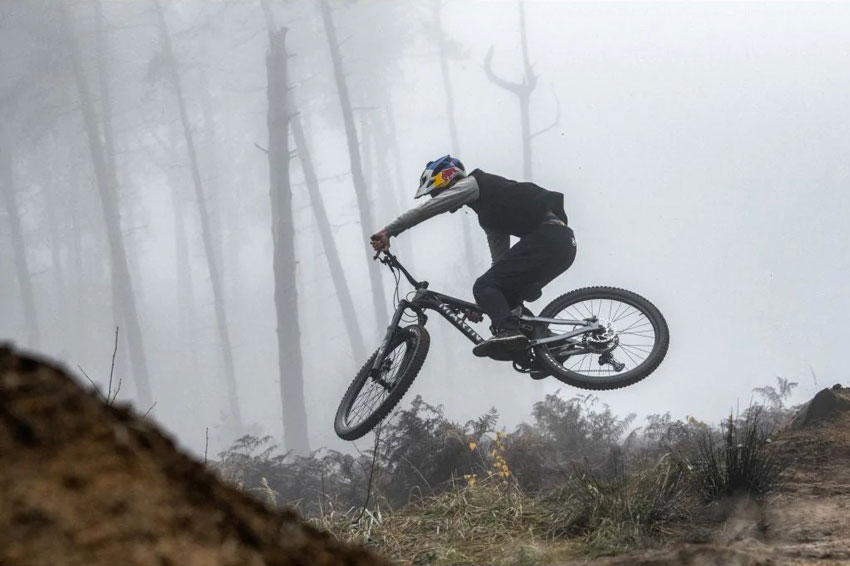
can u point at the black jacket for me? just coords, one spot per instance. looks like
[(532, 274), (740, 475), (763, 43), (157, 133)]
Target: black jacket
[(512, 207)]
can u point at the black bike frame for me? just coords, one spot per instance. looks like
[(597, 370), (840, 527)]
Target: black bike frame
[(447, 307)]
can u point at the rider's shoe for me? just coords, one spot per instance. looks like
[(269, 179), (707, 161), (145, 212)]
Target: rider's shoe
[(503, 341)]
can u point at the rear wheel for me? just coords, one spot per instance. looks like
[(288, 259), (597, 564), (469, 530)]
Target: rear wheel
[(369, 399), (631, 346)]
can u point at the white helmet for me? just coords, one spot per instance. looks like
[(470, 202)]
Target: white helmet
[(439, 174)]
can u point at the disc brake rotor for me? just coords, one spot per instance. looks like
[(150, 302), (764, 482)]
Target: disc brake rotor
[(604, 341)]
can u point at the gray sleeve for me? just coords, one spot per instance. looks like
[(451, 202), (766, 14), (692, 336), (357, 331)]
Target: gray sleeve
[(464, 191), (499, 243)]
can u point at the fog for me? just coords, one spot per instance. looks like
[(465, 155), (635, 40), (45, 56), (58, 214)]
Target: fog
[(703, 150)]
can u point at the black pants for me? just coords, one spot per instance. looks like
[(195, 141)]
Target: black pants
[(522, 271)]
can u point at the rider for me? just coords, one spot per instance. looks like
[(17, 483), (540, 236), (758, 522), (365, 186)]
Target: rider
[(505, 208)]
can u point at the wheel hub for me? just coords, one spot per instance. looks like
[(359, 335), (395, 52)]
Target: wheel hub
[(604, 340)]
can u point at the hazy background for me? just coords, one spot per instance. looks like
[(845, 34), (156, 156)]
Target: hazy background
[(703, 150)]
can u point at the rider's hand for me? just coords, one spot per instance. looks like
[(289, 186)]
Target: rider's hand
[(380, 241)]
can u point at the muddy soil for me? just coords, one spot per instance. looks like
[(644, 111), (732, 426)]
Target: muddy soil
[(85, 484)]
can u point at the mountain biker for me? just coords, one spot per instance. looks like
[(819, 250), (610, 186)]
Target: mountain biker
[(505, 208)]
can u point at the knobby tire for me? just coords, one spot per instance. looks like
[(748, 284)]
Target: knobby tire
[(616, 381), (419, 342)]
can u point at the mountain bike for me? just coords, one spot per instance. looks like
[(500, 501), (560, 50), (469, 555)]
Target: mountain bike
[(593, 338)]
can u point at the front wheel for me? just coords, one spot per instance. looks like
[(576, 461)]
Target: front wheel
[(631, 346), (369, 399)]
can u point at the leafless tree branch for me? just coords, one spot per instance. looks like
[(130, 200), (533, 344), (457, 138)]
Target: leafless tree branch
[(110, 397), (151, 409), (96, 388), (516, 88), (557, 116)]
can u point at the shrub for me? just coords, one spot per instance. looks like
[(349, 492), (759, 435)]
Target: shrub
[(565, 432), (741, 462), (422, 452), (617, 514)]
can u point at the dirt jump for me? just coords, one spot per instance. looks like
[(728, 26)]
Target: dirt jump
[(86, 484)]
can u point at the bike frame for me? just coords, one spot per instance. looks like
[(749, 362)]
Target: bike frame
[(425, 299)]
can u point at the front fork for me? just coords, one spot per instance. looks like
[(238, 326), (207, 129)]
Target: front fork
[(383, 350)]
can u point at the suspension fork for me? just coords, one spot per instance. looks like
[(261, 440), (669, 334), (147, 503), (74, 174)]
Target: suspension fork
[(391, 330)]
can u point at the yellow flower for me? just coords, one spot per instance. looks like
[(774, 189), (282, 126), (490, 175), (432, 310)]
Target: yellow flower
[(472, 446)]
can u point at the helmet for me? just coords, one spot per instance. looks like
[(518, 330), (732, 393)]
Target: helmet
[(439, 174)]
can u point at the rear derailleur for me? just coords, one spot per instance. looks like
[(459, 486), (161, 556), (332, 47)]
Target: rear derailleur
[(608, 359)]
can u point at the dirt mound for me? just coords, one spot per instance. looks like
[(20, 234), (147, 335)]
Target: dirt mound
[(803, 523), (824, 406), (85, 484)]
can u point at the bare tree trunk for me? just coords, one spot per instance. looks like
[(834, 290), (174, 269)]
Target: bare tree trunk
[(211, 163), (447, 79), (108, 138), (206, 232), (283, 232), (103, 81), (392, 138), (521, 90), (468, 249), (107, 185), (183, 269), (366, 222), (76, 240), (18, 247), (388, 157), (57, 243), (343, 292)]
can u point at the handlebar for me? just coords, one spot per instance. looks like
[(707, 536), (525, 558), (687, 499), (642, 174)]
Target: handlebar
[(392, 262)]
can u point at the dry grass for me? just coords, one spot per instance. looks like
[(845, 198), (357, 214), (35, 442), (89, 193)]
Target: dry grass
[(492, 521), (489, 522), (743, 463), (615, 515)]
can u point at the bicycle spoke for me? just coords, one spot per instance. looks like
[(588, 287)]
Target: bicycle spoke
[(576, 316), (625, 350), (630, 323), (644, 349), (640, 334), (375, 391), (616, 312), (627, 314)]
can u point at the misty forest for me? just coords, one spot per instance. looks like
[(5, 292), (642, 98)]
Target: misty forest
[(187, 195)]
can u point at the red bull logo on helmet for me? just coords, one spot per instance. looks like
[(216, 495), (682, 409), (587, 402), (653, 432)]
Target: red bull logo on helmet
[(445, 176)]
